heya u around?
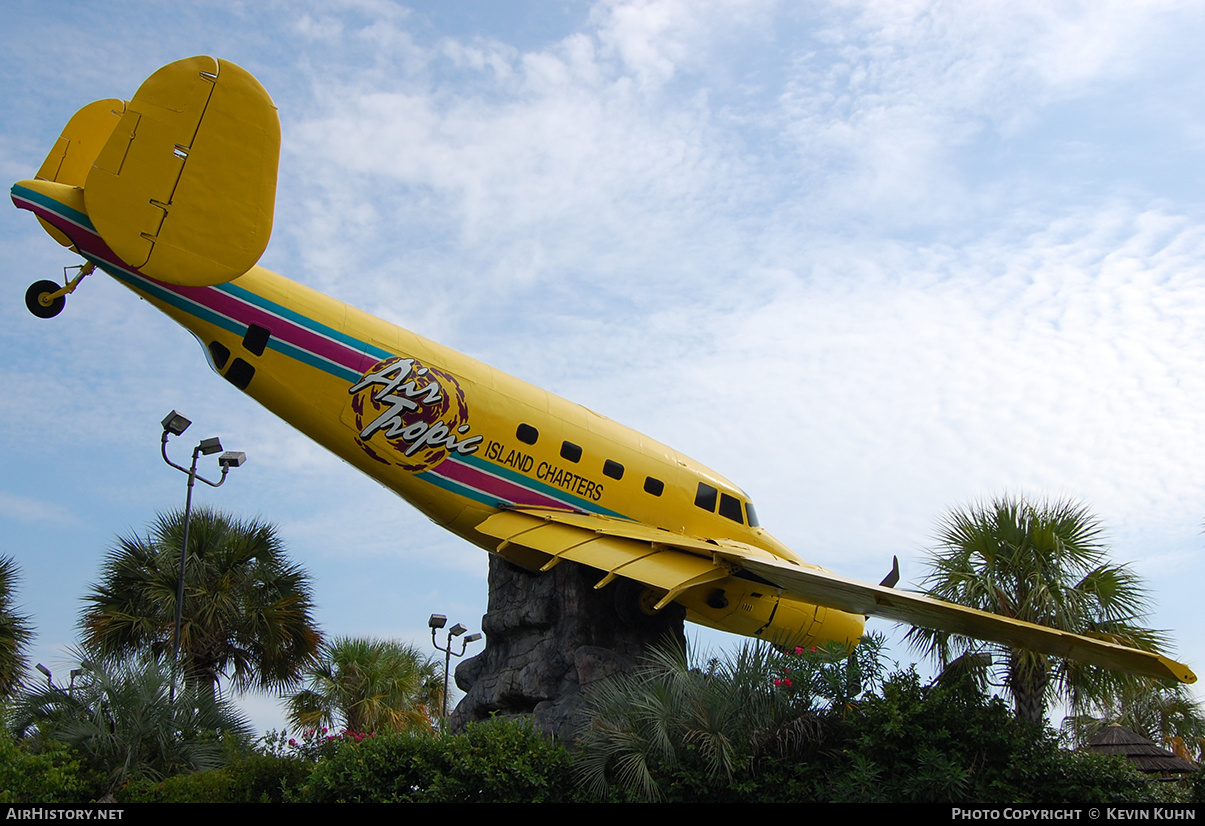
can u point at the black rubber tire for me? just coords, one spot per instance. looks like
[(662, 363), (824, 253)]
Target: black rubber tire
[(633, 603), (34, 294)]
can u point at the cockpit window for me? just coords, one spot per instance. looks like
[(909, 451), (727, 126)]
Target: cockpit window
[(706, 497), (730, 507), (753, 523)]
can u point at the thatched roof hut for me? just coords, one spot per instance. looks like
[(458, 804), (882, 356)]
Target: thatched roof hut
[(1144, 754)]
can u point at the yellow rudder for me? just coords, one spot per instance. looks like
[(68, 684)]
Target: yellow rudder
[(184, 187)]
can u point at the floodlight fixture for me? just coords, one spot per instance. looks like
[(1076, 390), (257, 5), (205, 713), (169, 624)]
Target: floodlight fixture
[(45, 671), (436, 622), (175, 423), (232, 458)]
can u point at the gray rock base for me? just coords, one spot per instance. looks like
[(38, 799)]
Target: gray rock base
[(549, 637)]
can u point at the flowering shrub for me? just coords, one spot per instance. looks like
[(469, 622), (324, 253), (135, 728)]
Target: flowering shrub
[(314, 744), (831, 678)]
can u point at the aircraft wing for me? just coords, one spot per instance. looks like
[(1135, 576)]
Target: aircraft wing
[(675, 563), (850, 595)]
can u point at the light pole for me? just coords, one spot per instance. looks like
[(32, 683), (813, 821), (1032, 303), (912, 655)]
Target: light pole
[(436, 622), (175, 424)]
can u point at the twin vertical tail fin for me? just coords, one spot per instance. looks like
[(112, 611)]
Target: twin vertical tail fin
[(180, 182)]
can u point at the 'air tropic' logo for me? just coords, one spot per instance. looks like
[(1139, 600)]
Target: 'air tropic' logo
[(419, 411)]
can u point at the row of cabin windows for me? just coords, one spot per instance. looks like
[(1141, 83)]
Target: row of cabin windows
[(706, 498), (573, 453)]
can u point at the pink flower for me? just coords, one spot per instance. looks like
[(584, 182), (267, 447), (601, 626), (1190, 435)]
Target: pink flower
[(787, 682), (778, 682), (799, 650)]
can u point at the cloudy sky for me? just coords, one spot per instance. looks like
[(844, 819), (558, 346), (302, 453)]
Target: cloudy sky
[(870, 261)]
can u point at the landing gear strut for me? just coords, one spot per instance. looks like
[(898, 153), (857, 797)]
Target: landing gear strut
[(46, 299)]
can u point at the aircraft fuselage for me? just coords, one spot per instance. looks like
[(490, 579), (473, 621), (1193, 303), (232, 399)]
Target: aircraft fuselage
[(456, 438)]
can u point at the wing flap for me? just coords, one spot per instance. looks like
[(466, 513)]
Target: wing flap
[(655, 564)]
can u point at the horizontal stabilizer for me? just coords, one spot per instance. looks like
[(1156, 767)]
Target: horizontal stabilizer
[(70, 159), (184, 187)]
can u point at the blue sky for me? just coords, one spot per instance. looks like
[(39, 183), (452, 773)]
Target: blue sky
[(869, 260)]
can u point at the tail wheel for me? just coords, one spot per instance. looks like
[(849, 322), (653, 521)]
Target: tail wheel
[(635, 604), (35, 303)]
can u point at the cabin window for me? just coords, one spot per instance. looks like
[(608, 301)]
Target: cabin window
[(571, 452), (730, 507), (240, 374), (220, 354), (612, 469), (654, 486), (527, 434), (753, 523), (256, 339), (706, 497)]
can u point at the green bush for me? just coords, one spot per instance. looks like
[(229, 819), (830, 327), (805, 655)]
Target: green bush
[(55, 774), (843, 735), (251, 778), (496, 761), (955, 745)]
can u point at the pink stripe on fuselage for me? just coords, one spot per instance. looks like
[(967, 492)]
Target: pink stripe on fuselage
[(494, 486)]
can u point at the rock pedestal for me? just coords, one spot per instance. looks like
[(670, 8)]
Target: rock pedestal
[(548, 637)]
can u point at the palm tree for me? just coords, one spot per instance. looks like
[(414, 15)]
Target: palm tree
[(368, 686), (120, 716), (1042, 562), (722, 717), (15, 630), (248, 611)]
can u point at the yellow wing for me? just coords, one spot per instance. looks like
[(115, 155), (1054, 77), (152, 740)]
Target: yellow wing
[(914, 609), (691, 571)]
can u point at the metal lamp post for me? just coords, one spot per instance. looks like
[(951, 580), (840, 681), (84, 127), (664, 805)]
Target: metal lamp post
[(436, 622), (175, 424)]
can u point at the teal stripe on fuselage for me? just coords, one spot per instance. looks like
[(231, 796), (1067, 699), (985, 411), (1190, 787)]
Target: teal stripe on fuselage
[(168, 297), (539, 487), (458, 488), (217, 319), (303, 321), (55, 206), (306, 357)]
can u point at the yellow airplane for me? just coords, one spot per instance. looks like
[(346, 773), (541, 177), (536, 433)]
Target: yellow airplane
[(172, 194)]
